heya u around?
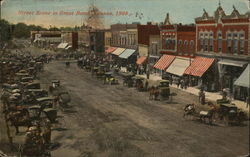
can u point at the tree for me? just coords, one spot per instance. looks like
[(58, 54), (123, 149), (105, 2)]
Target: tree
[(21, 31), (5, 31)]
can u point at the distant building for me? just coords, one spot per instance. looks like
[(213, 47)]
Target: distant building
[(71, 38), (97, 41), (108, 38), (45, 38), (124, 35), (148, 43), (178, 40)]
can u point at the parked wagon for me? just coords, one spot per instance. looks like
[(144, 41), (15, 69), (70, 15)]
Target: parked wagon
[(230, 114), (164, 89)]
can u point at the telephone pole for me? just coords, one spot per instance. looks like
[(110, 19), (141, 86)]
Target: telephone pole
[(1, 9)]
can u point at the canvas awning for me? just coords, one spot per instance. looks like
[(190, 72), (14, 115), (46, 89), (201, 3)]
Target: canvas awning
[(164, 62), (118, 51), (68, 47), (178, 66), (127, 53), (62, 45), (244, 80), (110, 49), (232, 62), (141, 60), (199, 66)]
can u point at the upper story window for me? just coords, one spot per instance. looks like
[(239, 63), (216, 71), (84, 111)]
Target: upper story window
[(211, 35), (186, 47), (219, 35), (201, 35), (191, 46)]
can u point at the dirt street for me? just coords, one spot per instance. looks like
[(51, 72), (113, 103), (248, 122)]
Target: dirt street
[(116, 121)]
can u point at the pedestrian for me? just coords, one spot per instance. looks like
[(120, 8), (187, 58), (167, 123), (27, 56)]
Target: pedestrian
[(170, 80), (200, 95), (182, 83), (178, 82), (247, 101)]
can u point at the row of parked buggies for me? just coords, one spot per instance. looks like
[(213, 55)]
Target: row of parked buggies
[(27, 104)]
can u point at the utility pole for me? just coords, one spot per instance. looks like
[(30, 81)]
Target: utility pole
[(1, 9)]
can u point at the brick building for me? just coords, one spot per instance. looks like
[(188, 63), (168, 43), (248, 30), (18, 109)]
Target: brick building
[(148, 44), (226, 39), (178, 40)]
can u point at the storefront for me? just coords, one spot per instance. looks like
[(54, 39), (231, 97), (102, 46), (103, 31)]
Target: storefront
[(242, 85), (201, 72), (163, 63), (229, 71), (128, 58)]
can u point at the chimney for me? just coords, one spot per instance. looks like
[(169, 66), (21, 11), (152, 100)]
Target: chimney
[(149, 23)]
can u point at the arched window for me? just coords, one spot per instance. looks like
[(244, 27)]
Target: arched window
[(211, 41), (242, 42), (235, 42), (185, 47), (191, 47), (219, 40), (229, 42), (180, 47), (201, 37)]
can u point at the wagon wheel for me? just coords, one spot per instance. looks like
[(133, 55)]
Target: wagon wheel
[(226, 120)]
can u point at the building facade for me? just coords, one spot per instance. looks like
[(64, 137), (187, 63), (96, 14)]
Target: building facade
[(178, 40), (124, 35), (45, 39), (226, 39)]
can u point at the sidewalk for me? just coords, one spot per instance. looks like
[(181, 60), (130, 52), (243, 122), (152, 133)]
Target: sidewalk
[(209, 95)]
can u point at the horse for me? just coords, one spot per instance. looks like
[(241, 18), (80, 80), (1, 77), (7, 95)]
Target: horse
[(189, 109), (207, 115), (19, 118), (67, 64)]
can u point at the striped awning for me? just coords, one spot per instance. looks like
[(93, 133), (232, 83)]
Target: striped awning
[(118, 51), (164, 62), (141, 60), (199, 66), (110, 49), (127, 53)]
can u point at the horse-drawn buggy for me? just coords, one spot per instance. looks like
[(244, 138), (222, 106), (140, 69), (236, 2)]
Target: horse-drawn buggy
[(225, 112), (100, 72), (231, 114), (37, 140), (127, 79), (109, 79), (63, 98), (204, 116), (138, 82), (160, 91), (164, 89)]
